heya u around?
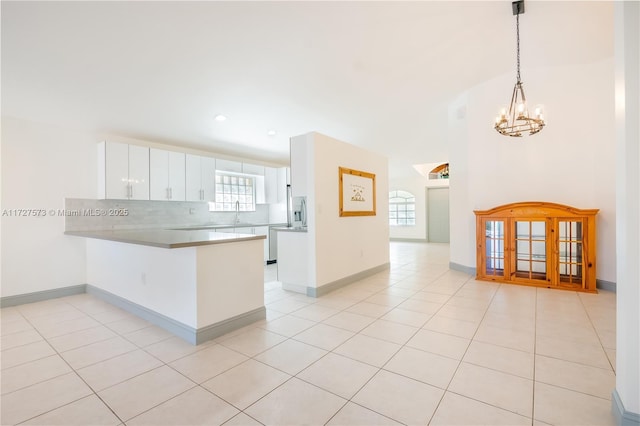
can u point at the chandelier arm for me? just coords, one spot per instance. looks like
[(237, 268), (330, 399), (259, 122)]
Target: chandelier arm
[(512, 105)]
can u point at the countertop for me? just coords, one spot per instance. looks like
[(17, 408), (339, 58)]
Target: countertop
[(168, 238), (228, 226), (290, 228)]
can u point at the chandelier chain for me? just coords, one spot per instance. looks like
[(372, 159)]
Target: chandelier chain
[(518, 46)]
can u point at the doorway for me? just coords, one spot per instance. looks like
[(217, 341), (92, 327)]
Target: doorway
[(438, 215)]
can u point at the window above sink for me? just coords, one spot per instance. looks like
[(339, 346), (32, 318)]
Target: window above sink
[(234, 190)]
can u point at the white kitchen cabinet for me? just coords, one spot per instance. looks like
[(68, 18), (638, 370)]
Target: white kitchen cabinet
[(284, 179), (200, 178), (270, 185), (123, 171), (167, 175), (275, 183), (261, 193), (228, 166), (255, 230)]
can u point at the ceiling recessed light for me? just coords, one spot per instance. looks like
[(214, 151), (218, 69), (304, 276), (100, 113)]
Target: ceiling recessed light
[(220, 117), (271, 132)]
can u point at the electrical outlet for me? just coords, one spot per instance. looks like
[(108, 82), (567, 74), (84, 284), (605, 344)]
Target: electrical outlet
[(192, 211)]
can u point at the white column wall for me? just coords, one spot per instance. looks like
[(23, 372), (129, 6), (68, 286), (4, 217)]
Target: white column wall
[(627, 58), (347, 245), (339, 247)]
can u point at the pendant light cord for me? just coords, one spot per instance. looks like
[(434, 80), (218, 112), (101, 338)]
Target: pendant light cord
[(518, 45)]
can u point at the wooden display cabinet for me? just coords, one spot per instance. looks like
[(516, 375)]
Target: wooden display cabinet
[(537, 244)]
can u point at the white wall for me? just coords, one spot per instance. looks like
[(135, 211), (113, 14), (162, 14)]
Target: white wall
[(41, 165), (572, 161), (341, 246), (627, 83), (417, 187)]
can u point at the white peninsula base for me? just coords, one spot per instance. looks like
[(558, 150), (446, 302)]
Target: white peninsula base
[(197, 293)]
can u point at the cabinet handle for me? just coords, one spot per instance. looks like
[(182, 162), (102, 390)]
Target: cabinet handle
[(170, 193), (202, 195)]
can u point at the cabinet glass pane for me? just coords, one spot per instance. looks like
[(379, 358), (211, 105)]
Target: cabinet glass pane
[(538, 250), (538, 230), (522, 266), (522, 250), (540, 267), (522, 230)]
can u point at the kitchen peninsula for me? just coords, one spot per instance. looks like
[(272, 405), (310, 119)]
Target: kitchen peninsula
[(197, 284)]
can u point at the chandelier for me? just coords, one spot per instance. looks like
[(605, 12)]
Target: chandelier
[(517, 120)]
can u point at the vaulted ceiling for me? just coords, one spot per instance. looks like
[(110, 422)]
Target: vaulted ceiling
[(375, 74)]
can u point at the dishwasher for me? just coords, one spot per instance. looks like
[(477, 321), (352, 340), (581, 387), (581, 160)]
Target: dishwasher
[(273, 246)]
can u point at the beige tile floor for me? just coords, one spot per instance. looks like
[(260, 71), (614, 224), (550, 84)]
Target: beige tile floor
[(418, 344)]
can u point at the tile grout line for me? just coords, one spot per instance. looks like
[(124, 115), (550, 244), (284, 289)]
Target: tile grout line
[(465, 352), (331, 351), (381, 291), (535, 353), (77, 375), (597, 334)]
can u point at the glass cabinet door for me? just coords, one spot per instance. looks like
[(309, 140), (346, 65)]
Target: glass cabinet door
[(570, 251), (494, 248), (531, 249)]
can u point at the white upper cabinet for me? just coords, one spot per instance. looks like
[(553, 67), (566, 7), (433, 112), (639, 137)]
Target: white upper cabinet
[(275, 182), (228, 166), (253, 169), (271, 185), (200, 175), (167, 175), (123, 171), (260, 190)]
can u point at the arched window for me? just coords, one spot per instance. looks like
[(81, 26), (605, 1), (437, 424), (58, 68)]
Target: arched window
[(402, 208), (440, 172)]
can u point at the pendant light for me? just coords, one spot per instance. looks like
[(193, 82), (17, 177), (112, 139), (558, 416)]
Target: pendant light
[(516, 120)]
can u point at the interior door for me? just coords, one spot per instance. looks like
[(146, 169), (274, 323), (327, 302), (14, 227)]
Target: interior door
[(438, 215)]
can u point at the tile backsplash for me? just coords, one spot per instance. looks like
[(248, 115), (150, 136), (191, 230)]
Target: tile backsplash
[(86, 214)]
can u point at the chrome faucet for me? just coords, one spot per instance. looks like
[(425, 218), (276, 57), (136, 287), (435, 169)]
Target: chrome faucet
[(237, 219)]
